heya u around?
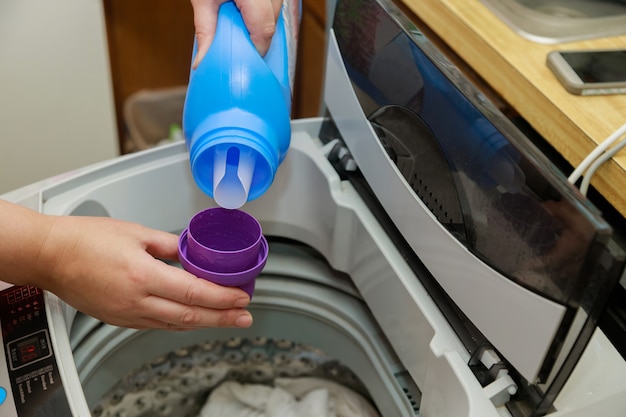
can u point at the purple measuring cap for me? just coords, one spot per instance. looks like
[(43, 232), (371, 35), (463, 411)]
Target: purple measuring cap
[(224, 246)]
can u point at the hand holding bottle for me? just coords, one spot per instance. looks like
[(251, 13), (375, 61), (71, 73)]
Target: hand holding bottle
[(259, 16), (236, 117)]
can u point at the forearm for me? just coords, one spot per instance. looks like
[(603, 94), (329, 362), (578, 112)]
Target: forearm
[(23, 233)]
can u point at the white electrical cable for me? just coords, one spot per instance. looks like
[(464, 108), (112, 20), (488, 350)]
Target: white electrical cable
[(575, 175), (584, 185)]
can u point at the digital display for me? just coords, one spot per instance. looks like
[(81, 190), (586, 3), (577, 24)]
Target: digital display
[(598, 67), (29, 349)]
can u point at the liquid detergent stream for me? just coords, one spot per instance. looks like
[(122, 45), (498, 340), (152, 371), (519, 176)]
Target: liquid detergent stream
[(232, 175)]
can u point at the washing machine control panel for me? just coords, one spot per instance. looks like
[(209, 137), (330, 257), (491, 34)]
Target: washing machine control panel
[(30, 384)]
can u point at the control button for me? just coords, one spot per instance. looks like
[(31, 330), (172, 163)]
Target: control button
[(3, 395)]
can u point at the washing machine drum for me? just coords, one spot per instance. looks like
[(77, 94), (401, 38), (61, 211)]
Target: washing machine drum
[(311, 329)]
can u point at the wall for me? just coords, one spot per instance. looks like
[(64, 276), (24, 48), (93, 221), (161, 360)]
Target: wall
[(56, 101)]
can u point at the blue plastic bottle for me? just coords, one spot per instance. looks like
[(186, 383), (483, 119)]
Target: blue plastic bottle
[(236, 118)]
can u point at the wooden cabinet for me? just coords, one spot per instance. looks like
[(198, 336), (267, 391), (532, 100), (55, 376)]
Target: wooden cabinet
[(311, 60), (150, 44)]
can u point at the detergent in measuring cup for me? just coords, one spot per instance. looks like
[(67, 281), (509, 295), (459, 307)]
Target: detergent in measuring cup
[(236, 117)]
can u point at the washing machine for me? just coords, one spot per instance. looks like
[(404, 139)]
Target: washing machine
[(419, 256)]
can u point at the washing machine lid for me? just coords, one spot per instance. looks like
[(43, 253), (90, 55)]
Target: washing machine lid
[(511, 244)]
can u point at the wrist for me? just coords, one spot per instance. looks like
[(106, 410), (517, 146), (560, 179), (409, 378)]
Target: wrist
[(23, 233)]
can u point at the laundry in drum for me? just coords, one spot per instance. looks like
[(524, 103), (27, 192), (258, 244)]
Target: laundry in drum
[(240, 378)]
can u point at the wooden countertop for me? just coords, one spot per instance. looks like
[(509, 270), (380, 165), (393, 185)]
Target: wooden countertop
[(516, 69)]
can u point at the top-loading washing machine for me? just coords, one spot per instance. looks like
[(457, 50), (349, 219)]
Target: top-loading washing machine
[(421, 255)]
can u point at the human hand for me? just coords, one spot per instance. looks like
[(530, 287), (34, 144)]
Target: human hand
[(107, 268), (260, 17)]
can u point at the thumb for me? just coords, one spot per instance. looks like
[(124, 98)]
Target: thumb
[(205, 22)]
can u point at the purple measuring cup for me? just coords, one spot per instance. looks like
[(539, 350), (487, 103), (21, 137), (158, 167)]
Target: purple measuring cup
[(224, 246)]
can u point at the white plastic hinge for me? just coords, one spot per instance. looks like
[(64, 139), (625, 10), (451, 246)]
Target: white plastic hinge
[(501, 389), (329, 147), (342, 155)]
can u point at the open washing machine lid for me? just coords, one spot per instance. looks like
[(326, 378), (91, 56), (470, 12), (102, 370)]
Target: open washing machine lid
[(488, 215)]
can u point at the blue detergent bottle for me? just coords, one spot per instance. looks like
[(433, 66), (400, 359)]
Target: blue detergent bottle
[(236, 117)]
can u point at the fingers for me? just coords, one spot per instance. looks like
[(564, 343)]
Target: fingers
[(182, 287), (260, 18), (205, 22), (171, 315), (177, 300), (182, 301)]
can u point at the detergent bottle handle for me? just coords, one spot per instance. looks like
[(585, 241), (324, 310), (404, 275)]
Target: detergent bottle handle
[(232, 39)]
